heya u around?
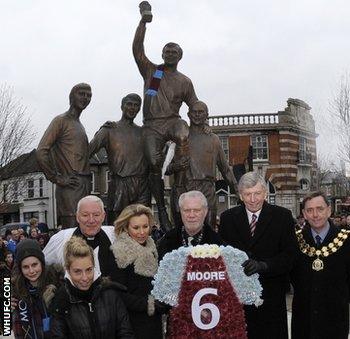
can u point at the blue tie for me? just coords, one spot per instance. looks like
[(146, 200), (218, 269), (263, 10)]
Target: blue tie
[(318, 240)]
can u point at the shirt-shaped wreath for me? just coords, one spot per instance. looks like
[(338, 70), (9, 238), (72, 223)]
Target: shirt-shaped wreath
[(206, 286)]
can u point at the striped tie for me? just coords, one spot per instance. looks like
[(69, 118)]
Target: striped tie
[(252, 225)]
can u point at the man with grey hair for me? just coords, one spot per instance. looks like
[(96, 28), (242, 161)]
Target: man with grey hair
[(194, 231), (266, 233), (90, 215)]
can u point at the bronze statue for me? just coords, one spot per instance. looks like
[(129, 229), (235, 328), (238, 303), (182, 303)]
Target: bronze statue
[(126, 160), (205, 154), (63, 155), (165, 89)]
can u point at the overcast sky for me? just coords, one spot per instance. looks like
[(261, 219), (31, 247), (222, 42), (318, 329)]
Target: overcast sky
[(242, 56)]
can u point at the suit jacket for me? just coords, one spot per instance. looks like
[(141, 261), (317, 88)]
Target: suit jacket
[(274, 242), (320, 303)]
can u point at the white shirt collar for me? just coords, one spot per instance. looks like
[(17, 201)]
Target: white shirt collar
[(250, 215)]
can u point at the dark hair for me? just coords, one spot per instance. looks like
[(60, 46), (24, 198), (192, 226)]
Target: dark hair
[(198, 102), (77, 88), (314, 195), (20, 289), (131, 96), (172, 45)]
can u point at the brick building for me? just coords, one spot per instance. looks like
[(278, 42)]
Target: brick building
[(284, 149)]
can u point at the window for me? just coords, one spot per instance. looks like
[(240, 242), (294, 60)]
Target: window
[(272, 199), (224, 145), (41, 187), (93, 182), (302, 149), (4, 192), (260, 147), (304, 184), (30, 188), (108, 179), (15, 191), (29, 215), (272, 193)]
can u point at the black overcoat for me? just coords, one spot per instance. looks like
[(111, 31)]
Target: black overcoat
[(138, 284), (76, 315), (274, 242), (321, 298), (172, 240)]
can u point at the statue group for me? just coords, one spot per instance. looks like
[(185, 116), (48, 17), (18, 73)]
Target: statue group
[(136, 154)]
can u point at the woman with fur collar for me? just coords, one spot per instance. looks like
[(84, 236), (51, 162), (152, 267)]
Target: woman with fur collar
[(34, 286), (87, 307), (137, 260)]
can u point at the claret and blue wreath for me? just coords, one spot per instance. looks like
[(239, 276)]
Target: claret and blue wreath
[(207, 288)]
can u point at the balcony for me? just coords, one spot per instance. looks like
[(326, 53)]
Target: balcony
[(244, 119)]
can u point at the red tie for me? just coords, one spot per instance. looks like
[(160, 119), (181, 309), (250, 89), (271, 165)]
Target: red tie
[(252, 225)]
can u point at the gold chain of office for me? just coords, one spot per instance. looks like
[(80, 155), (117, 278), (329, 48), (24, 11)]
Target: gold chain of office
[(325, 251)]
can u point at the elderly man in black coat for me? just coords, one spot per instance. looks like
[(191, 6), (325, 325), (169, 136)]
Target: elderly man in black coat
[(321, 275), (266, 233), (193, 208)]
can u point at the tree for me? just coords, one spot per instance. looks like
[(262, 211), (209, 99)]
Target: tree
[(16, 130), (340, 110), (325, 168), (16, 136)]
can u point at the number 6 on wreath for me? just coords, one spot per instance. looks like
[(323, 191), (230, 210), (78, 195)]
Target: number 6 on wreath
[(196, 309)]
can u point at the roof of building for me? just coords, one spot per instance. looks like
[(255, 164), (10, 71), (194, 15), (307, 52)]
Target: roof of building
[(26, 163)]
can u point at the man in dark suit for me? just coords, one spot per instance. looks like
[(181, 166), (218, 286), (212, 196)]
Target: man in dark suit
[(321, 275), (194, 231), (266, 233)]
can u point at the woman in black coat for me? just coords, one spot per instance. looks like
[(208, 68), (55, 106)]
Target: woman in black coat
[(33, 286), (137, 260), (86, 307)]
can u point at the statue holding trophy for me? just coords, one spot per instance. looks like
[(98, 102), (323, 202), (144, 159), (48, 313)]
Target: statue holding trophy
[(165, 89)]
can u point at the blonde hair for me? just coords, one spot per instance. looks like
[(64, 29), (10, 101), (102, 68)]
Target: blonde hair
[(76, 247), (122, 222)]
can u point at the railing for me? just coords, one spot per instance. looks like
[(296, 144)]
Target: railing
[(244, 119)]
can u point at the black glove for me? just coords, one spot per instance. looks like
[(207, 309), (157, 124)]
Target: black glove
[(252, 266), (161, 307)]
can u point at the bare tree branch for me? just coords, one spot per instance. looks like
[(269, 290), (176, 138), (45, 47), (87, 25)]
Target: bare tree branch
[(16, 130)]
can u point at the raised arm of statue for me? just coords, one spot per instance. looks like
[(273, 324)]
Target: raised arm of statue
[(138, 49)]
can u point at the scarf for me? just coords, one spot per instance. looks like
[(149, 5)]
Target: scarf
[(32, 313), (155, 81), (127, 251)]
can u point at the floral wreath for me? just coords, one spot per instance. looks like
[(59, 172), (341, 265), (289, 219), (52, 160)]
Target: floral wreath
[(180, 279), (167, 281)]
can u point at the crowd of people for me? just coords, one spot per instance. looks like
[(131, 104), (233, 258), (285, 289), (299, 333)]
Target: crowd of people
[(95, 281)]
